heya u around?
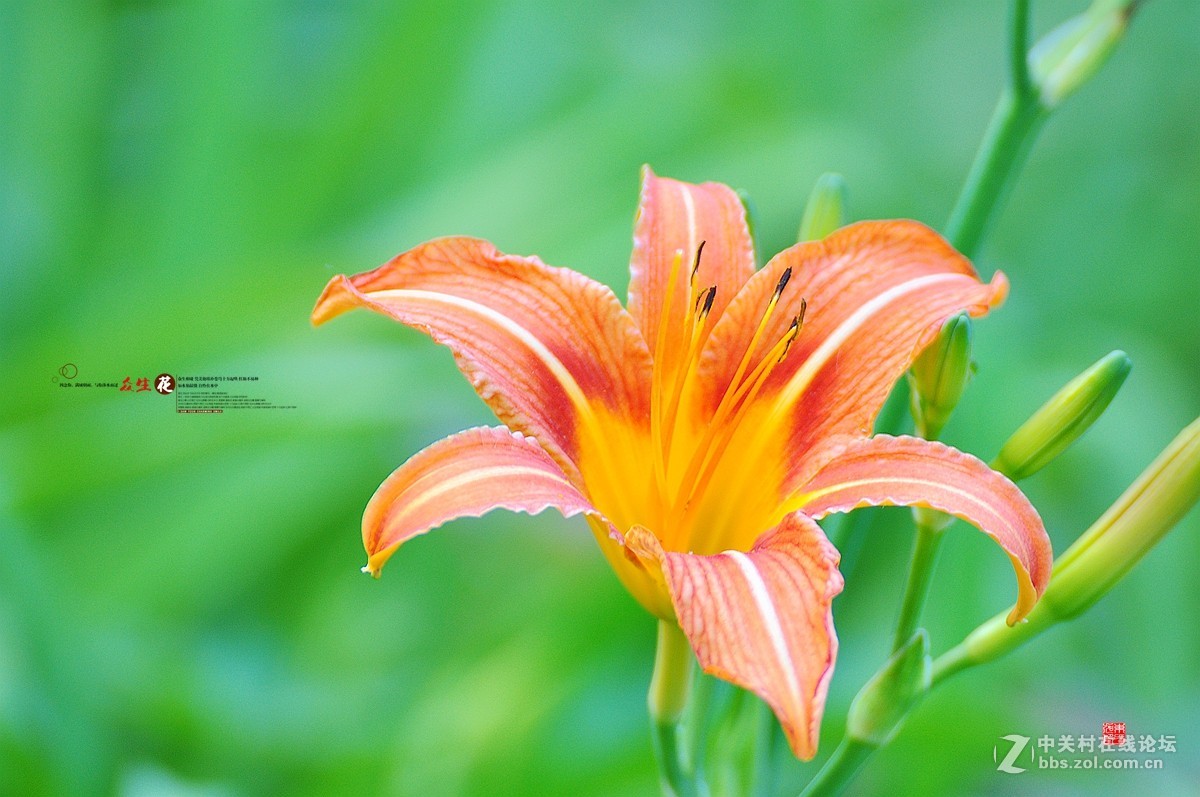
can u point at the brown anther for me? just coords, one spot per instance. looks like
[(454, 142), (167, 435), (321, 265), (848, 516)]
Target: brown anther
[(696, 262), (783, 281), (792, 333), (704, 302)]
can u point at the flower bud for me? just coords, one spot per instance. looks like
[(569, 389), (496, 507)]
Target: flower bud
[(1069, 55), (940, 375), (1101, 557), (825, 210), (885, 700), (1062, 419), (1141, 517)]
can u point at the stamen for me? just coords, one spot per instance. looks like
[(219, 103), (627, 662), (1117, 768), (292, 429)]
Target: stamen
[(774, 357), (689, 362), (787, 341), (736, 402), (794, 330), (762, 326), (696, 261), (749, 390), (783, 281), (693, 325), (744, 363), (691, 321), (659, 374)]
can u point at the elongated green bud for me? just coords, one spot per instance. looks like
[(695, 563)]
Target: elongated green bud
[(940, 375), (1141, 517), (1069, 55), (1062, 419), (825, 210), (1117, 541), (885, 700)]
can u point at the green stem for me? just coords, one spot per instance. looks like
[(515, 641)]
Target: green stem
[(952, 661), (1000, 156), (840, 769), (765, 730), (920, 577), (1005, 145), (1018, 47), (699, 723), (1011, 131), (675, 781), (669, 688), (988, 642)]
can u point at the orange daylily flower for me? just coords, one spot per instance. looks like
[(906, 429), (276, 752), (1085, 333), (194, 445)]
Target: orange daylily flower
[(705, 430)]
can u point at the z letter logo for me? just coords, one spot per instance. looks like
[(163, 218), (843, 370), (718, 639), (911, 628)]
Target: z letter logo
[(1019, 743)]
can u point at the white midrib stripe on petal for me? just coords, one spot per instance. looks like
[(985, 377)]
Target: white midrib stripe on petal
[(805, 499), (828, 348), (454, 483), (540, 350), (587, 415), (766, 608)]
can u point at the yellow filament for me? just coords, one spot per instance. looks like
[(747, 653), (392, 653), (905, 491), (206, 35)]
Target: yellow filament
[(671, 380), (684, 380), (710, 451), (690, 325), (660, 419), (750, 349), (748, 389), (659, 374), (733, 392), (692, 321)]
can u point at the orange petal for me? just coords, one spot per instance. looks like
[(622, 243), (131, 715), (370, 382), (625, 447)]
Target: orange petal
[(673, 219), (464, 475), (540, 344), (762, 619), (876, 292), (908, 471)]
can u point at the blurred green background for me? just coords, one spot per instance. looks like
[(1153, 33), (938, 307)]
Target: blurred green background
[(180, 605)]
